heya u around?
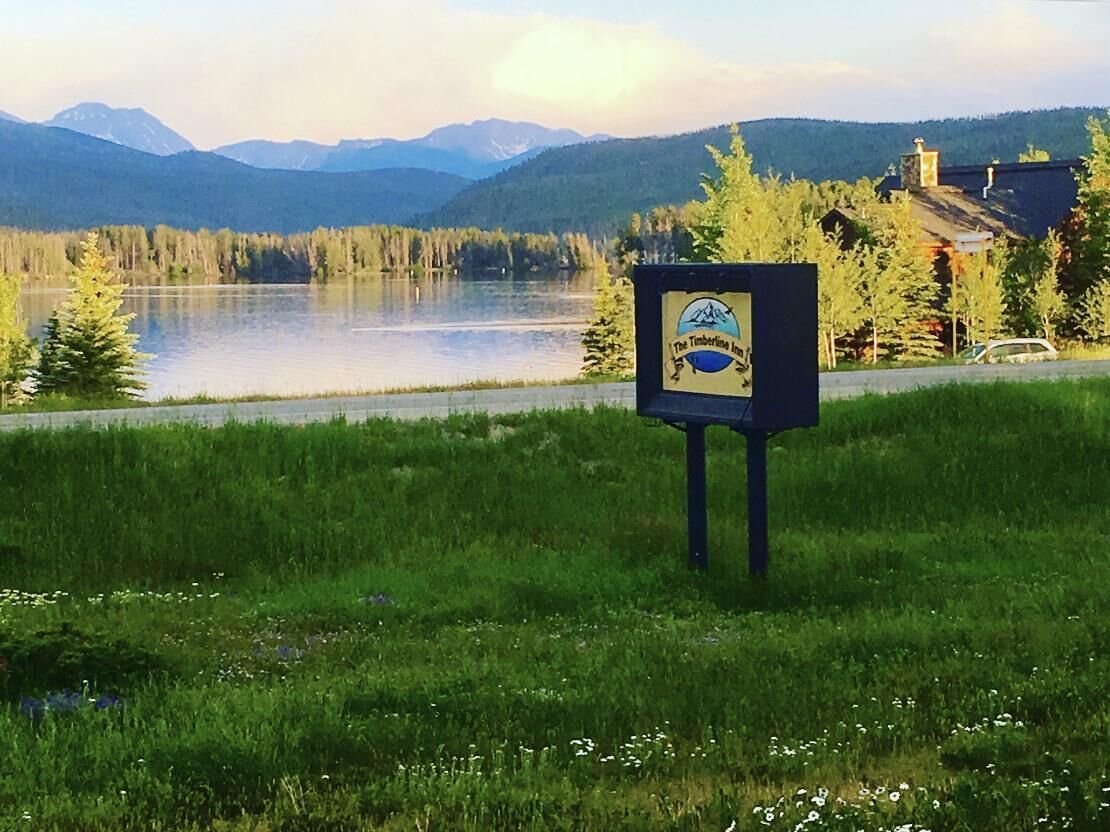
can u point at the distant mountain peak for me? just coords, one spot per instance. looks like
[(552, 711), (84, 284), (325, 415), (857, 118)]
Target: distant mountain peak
[(496, 139), (5, 116), (260, 153), (133, 127)]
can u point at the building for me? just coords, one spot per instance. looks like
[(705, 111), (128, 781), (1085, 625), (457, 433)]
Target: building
[(965, 208)]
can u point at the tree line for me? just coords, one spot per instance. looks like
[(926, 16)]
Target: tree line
[(320, 254), (882, 296)]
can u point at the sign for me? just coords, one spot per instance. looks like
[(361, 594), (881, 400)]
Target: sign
[(734, 345), (706, 343), (727, 344)]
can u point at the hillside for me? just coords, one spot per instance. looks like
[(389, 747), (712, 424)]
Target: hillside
[(51, 179), (595, 187)]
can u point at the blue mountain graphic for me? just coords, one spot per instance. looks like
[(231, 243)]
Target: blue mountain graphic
[(708, 315)]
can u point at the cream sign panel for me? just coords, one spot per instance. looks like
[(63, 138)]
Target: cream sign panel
[(707, 343)]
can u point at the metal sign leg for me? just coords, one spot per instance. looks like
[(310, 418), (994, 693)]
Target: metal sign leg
[(696, 511), (758, 546)]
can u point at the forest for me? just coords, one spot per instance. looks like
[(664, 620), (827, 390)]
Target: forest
[(277, 258)]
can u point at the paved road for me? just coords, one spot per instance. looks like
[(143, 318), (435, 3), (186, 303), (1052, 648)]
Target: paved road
[(842, 385)]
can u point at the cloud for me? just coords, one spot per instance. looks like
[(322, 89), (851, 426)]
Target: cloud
[(345, 69), (1008, 58), (635, 79), (358, 68), (1010, 43)]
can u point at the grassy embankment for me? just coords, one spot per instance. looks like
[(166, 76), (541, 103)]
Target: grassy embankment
[(63, 404), (58, 404), (488, 625)]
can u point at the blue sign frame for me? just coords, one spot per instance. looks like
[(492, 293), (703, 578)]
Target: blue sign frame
[(784, 381)]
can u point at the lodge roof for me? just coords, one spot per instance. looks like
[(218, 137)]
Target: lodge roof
[(1026, 199)]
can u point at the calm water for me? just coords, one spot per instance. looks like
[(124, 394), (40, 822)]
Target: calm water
[(358, 334)]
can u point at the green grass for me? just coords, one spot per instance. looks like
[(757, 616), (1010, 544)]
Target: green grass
[(60, 403), (1080, 351), (487, 624)]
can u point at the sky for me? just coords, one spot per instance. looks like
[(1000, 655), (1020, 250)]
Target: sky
[(221, 71)]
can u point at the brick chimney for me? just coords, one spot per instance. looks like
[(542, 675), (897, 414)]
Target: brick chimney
[(920, 169)]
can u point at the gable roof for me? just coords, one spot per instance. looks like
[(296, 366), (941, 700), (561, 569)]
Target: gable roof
[(946, 211), (1027, 199)]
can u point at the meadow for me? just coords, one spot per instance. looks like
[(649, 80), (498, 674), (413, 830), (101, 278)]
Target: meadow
[(488, 624)]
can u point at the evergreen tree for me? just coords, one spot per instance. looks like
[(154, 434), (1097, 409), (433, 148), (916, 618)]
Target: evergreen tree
[(1094, 311), (17, 351), (899, 288), (983, 302), (88, 351), (609, 341), (1091, 254), (1046, 297)]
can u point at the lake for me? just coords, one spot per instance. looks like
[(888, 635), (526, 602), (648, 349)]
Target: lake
[(356, 334)]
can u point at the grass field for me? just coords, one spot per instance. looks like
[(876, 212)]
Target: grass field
[(488, 624)]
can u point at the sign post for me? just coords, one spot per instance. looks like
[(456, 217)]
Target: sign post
[(759, 547), (732, 345), (697, 512)]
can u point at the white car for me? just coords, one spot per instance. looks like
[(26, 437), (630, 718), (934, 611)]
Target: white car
[(1010, 351)]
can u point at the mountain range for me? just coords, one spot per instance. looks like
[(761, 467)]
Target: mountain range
[(58, 178), (475, 151), (708, 315)]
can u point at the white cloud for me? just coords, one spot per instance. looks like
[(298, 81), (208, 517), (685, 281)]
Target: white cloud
[(343, 68)]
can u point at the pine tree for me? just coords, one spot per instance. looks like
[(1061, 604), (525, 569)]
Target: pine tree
[(88, 351), (1047, 298), (1091, 254), (916, 282), (899, 288), (17, 351), (982, 293), (608, 341)]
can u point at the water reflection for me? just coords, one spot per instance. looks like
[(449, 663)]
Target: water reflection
[(360, 333)]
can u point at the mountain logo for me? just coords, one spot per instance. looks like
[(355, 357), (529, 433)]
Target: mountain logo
[(713, 315)]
